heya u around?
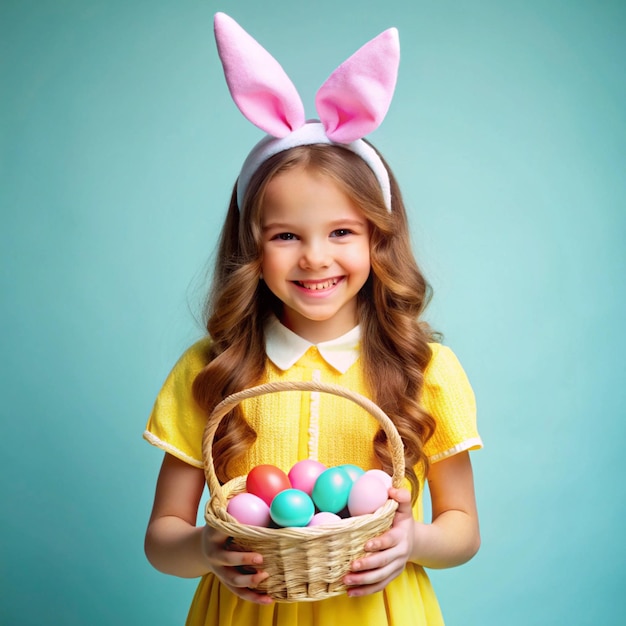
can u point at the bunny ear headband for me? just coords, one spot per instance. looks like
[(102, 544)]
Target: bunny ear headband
[(351, 103)]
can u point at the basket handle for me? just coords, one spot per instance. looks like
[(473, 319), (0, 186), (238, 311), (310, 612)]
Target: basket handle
[(226, 405)]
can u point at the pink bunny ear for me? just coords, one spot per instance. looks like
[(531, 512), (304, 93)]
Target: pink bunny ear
[(257, 83), (356, 97)]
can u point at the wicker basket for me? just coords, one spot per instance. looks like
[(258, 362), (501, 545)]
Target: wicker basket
[(304, 564)]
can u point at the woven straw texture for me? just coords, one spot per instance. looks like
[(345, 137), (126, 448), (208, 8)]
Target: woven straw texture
[(304, 564)]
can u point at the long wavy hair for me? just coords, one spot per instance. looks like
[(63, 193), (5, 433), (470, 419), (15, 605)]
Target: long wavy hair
[(394, 341)]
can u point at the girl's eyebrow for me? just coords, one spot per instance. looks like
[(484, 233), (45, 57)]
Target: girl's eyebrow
[(281, 225), (332, 225), (347, 221)]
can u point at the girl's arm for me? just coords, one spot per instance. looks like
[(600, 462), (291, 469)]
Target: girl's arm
[(452, 538), (175, 545)]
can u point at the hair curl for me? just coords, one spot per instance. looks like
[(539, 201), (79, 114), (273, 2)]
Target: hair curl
[(394, 343)]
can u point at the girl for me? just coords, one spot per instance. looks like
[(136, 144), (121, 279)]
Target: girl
[(315, 279)]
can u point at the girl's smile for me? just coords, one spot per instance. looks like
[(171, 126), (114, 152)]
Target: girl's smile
[(316, 254), (320, 285)]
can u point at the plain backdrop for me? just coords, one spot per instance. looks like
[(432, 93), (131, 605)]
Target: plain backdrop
[(119, 148)]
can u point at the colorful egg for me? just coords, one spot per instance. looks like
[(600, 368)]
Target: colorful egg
[(292, 507), (249, 509), (381, 476), (367, 495), (331, 489), (304, 474), (324, 517), (265, 481), (354, 471)]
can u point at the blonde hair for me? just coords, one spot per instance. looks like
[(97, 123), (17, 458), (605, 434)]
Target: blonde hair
[(394, 342)]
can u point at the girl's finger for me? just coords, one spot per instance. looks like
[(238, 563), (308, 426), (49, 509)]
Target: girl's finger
[(369, 578), (385, 541), (245, 587), (249, 581), (403, 498), (374, 561), (242, 560), (251, 595)]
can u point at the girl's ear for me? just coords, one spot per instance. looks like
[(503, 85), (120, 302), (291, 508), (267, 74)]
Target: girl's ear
[(356, 96), (258, 84)]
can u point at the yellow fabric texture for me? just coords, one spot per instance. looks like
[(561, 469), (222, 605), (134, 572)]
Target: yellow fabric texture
[(342, 433)]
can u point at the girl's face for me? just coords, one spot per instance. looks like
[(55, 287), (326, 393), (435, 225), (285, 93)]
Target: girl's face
[(316, 253)]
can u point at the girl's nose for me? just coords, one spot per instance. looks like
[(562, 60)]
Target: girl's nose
[(315, 255)]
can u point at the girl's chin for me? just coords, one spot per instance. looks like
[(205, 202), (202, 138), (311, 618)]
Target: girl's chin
[(318, 326)]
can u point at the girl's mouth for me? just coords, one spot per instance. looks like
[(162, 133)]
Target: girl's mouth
[(317, 285)]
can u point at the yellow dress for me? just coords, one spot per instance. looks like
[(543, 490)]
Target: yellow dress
[(292, 426)]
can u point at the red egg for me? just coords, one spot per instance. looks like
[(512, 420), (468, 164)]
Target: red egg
[(266, 481), (304, 474)]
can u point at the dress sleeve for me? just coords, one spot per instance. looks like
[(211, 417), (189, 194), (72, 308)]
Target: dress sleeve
[(448, 396), (176, 424)]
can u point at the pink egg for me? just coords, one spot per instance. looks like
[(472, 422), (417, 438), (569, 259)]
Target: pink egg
[(367, 495), (324, 517), (381, 476), (304, 474), (249, 509)]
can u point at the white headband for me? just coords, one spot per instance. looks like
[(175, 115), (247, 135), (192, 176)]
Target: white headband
[(351, 103), (307, 135)]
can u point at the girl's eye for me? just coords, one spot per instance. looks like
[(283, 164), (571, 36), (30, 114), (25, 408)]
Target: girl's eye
[(285, 236), (341, 232)]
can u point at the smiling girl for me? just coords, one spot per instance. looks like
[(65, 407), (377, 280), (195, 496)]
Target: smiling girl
[(316, 280)]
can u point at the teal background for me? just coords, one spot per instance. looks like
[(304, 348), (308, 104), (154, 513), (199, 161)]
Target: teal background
[(120, 144)]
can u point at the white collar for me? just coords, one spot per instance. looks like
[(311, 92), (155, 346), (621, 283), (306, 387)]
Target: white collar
[(284, 348)]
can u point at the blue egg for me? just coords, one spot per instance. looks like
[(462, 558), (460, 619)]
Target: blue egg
[(354, 471), (292, 507), (332, 489)]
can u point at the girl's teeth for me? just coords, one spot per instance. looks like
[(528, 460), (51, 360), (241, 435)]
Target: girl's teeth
[(319, 286)]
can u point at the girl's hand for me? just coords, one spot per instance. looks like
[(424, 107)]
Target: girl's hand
[(237, 570), (452, 538), (388, 553)]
